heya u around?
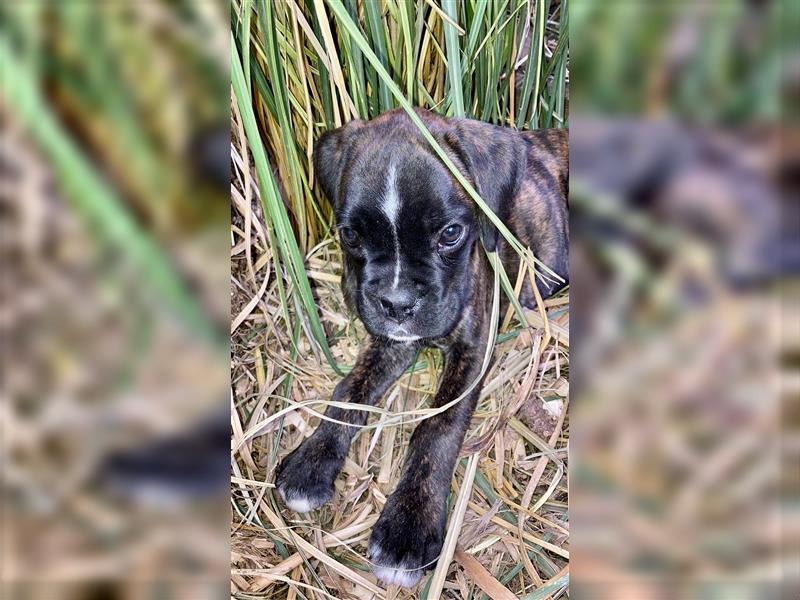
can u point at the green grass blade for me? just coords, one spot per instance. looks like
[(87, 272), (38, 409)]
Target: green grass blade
[(537, 66), (275, 75), (453, 59), (408, 46), (375, 27), (275, 210), (247, 13), (356, 74)]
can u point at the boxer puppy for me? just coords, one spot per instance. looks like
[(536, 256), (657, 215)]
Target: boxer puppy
[(416, 275)]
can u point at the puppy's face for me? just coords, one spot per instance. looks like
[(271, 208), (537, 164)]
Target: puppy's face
[(408, 233), (407, 228)]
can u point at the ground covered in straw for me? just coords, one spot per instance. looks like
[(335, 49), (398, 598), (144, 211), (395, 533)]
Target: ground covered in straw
[(514, 538)]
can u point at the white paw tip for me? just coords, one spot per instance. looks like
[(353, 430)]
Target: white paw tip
[(399, 577), (297, 504)]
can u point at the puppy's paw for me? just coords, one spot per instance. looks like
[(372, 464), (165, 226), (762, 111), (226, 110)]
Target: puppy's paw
[(406, 540), (305, 478)]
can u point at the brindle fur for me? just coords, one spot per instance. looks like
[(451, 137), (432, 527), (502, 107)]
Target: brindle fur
[(523, 178)]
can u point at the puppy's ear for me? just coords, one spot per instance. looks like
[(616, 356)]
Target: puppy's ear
[(494, 158), (332, 153)]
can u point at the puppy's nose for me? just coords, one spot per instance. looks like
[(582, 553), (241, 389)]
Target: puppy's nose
[(398, 305)]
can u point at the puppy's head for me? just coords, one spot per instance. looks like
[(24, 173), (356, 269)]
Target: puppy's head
[(407, 228)]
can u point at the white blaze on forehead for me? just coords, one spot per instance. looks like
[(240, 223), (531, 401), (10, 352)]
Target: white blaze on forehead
[(391, 201), (390, 206)]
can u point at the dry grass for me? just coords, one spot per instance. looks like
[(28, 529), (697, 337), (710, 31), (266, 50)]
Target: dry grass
[(514, 537)]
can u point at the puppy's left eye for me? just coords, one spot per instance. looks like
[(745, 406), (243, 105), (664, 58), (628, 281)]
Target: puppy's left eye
[(349, 237), (450, 235)]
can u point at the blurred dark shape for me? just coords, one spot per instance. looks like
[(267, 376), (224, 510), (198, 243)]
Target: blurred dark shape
[(210, 155), (193, 463), (103, 591), (723, 187), (190, 465)]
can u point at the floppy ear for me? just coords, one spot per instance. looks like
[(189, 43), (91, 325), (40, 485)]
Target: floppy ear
[(332, 152), (494, 158)]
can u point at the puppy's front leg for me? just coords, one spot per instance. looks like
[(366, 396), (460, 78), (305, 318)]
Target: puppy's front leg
[(408, 536), (305, 478)]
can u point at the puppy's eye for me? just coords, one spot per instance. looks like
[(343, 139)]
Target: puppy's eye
[(450, 235), (350, 237)]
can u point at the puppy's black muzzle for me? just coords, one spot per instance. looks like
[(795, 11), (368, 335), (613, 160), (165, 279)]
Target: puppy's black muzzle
[(398, 305)]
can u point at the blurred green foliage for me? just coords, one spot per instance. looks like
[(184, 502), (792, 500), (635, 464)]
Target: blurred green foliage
[(710, 62), (115, 94)]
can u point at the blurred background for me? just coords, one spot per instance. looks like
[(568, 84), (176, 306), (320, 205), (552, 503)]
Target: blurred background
[(114, 308), (685, 238)]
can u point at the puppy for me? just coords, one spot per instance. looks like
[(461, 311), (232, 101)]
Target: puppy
[(416, 275)]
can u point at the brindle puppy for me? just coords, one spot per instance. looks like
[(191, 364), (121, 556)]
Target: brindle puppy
[(416, 275)]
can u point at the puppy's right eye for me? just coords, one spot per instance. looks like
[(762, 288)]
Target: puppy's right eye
[(450, 236), (349, 237)]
